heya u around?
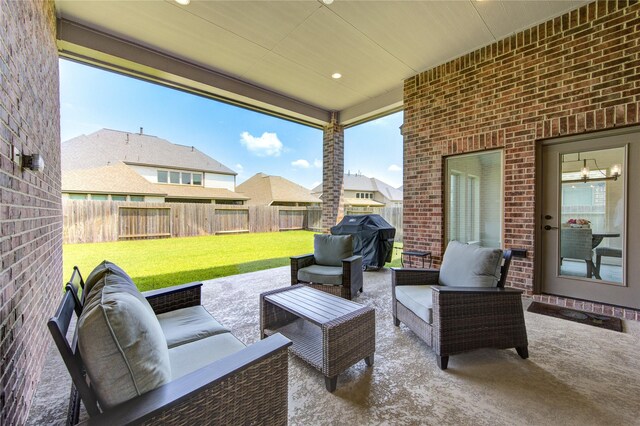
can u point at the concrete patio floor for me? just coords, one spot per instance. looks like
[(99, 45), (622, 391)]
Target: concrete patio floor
[(576, 374)]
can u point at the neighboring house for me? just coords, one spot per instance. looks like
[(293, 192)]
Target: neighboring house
[(123, 166), (363, 191), (269, 190)]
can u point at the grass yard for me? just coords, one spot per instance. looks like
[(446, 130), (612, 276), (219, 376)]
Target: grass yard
[(161, 263)]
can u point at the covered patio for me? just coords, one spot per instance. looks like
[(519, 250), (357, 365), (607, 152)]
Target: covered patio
[(508, 78), (576, 374)]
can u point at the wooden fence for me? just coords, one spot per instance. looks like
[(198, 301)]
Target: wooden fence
[(100, 221)]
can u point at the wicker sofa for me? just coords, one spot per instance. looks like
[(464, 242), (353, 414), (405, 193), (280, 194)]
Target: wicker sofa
[(161, 358), (464, 305)]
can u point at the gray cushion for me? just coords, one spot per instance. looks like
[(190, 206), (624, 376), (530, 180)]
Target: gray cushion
[(188, 324), (97, 282), (329, 250), (200, 353), (418, 299), (121, 343), (466, 265), (99, 271), (321, 274)]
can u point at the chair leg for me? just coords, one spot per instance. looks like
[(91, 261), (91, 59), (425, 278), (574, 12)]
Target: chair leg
[(594, 269), (523, 351), (396, 322), (443, 361)]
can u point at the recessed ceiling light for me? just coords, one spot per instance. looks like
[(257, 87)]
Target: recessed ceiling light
[(336, 75), (183, 2), (327, 2)]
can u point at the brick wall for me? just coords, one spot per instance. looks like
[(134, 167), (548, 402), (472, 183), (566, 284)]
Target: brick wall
[(30, 205), (574, 74), (332, 174)]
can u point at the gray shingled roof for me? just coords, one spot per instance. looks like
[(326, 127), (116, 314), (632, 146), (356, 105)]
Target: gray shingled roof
[(365, 183), (264, 189), (107, 146), (118, 178)]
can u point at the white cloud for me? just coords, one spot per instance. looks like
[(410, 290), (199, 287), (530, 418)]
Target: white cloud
[(267, 145), (317, 163), (240, 167), (394, 168), (303, 164)]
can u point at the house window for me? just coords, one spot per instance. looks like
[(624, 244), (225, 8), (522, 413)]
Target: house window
[(118, 198), (474, 199), (176, 177), (77, 196), (99, 197), (137, 198)]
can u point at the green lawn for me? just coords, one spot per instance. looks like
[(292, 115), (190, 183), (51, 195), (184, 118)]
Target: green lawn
[(161, 263)]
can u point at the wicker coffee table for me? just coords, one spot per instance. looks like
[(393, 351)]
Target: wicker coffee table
[(328, 332)]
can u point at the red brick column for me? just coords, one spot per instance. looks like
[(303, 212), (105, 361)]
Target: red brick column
[(30, 205), (332, 173)]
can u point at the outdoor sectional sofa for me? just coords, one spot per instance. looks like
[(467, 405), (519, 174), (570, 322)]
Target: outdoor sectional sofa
[(161, 358)]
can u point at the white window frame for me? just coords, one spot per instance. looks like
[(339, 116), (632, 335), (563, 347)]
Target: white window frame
[(180, 177), (468, 225)]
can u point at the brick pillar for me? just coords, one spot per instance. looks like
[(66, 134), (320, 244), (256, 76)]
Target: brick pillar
[(332, 173)]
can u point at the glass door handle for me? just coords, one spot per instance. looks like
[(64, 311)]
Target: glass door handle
[(549, 227)]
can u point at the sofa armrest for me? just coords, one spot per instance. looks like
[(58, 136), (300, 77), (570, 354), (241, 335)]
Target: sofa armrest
[(299, 262), (352, 274), (411, 276), (249, 387), (175, 297)]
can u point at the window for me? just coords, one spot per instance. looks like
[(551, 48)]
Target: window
[(77, 196), (137, 198), (118, 198), (176, 177), (99, 197), (357, 195), (474, 199)]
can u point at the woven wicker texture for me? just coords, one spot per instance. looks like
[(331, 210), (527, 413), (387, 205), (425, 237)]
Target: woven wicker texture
[(462, 321), (253, 396), (175, 300), (331, 347), (352, 281)]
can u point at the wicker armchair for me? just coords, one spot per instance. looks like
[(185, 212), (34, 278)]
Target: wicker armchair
[(453, 319), (249, 387), (331, 268)]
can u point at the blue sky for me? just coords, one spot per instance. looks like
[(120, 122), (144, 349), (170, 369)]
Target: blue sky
[(246, 141)]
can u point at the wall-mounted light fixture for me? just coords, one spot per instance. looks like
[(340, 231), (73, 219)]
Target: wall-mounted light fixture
[(33, 162)]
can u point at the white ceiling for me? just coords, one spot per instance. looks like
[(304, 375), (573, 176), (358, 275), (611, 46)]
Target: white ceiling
[(291, 48)]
